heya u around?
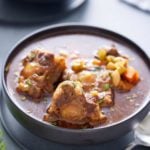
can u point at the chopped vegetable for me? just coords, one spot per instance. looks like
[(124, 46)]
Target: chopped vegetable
[(120, 59), (87, 77), (102, 54), (111, 66), (131, 75), (110, 58), (78, 65), (28, 82), (94, 93), (120, 67), (115, 77), (97, 69), (106, 87)]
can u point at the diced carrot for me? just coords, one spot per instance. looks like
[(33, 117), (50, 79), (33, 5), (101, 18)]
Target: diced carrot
[(137, 77), (131, 75)]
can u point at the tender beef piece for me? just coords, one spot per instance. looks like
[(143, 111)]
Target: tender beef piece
[(41, 70), (113, 51), (70, 108)]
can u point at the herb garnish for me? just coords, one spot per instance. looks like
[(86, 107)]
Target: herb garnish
[(97, 69), (28, 82), (106, 86)]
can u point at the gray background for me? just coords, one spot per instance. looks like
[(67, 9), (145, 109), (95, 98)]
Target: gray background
[(110, 14)]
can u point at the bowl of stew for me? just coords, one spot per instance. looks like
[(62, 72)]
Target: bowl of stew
[(77, 84)]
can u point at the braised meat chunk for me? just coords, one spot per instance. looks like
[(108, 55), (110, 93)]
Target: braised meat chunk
[(41, 70), (71, 107)]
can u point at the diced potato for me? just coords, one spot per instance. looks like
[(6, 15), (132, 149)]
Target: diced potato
[(118, 59), (102, 54), (121, 60), (120, 67), (115, 77), (94, 93), (78, 65), (110, 58), (111, 66), (87, 77), (120, 63)]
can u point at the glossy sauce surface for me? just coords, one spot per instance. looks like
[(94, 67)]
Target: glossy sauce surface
[(125, 103)]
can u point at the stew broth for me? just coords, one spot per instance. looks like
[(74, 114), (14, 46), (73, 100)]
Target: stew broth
[(125, 102)]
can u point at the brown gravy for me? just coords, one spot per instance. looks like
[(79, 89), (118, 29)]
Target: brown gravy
[(125, 103)]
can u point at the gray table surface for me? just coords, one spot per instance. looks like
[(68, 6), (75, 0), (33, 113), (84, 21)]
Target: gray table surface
[(109, 14)]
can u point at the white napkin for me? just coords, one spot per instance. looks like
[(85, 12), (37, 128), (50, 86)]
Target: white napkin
[(141, 4)]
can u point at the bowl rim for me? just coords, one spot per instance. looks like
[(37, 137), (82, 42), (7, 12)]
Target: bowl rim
[(66, 25)]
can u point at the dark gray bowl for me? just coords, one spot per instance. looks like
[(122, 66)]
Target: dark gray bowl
[(72, 136)]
